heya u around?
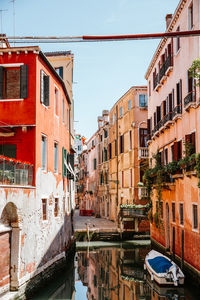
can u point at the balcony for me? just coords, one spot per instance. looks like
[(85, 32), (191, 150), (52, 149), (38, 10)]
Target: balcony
[(166, 68), (167, 120), (143, 153), (168, 65), (177, 112), (134, 211), (15, 172), (162, 76), (190, 100), (142, 192), (157, 84)]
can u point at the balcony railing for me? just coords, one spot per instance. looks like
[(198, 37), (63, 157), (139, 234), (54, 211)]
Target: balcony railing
[(165, 66), (133, 212), (167, 118), (156, 80), (143, 152), (15, 172), (190, 98), (142, 192), (162, 71), (177, 111), (168, 62)]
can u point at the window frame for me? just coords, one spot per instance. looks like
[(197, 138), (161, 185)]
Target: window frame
[(129, 104), (196, 229), (145, 101), (56, 164), (56, 207), (46, 210), (174, 212), (181, 204), (56, 101), (121, 111), (44, 166)]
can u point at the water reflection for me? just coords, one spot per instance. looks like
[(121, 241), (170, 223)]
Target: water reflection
[(111, 274)]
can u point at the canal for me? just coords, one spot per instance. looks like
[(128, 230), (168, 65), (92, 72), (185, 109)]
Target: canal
[(110, 273)]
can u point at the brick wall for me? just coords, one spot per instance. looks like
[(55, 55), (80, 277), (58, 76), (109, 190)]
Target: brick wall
[(4, 259)]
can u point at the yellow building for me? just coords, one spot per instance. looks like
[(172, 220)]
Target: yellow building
[(127, 154)]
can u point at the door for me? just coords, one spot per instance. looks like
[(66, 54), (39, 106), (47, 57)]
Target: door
[(168, 238)]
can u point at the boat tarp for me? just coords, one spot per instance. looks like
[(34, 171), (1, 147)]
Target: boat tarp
[(160, 264)]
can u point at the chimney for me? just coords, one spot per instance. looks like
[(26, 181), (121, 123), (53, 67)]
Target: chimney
[(105, 114), (100, 122), (168, 19)]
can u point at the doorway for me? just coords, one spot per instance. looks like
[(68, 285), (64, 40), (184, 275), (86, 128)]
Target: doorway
[(168, 237)]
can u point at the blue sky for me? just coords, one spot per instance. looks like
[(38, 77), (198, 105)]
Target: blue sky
[(103, 72)]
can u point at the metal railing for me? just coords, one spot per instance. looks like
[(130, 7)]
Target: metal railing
[(143, 152), (167, 117), (133, 212), (189, 98), (13, 172), (177, 110), (166, 64)]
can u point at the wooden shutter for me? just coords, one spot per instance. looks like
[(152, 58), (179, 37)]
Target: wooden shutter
[(187, 138), (1, 82), (24, 81), (148, 126), (175, 151), (173, 100), (162, 158), (46, 90), (180, 92), (193, 141), (41, 86), (64, 159)]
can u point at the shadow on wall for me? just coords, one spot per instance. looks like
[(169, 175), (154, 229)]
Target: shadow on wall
[(53, 261), (60, 254)]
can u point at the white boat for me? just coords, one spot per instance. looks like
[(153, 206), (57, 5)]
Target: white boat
[(163, 270)]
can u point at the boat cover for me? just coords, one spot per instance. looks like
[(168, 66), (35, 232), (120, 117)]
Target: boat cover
[(160, 264)]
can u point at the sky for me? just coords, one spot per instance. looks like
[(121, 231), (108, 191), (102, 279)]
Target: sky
[(103, 71)]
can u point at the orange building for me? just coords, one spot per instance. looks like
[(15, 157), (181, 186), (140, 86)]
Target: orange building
[(35, 164), (173, 114), (128, 153)]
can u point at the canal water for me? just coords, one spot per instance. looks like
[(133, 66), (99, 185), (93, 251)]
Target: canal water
[(111, 274)]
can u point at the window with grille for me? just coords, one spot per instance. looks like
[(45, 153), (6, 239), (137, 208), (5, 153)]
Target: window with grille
[(181, 214), (56, 207), (44, 209), (173, 212), (194, 216)]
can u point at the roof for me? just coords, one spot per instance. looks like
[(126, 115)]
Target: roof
[(164, 40), (58, 53)]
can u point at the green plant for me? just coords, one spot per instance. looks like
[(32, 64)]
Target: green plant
[(172, 168), (197, 168), (194, 71)]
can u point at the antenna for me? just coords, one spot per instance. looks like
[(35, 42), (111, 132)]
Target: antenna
[(1, 10), (13, 1)]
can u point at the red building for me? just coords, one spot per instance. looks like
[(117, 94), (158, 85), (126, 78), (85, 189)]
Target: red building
[(35, 164)]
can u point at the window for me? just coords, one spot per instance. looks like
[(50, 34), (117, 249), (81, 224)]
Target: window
[(194, 216), (110, 150), (130, 140), (56, 102), (114, 118), (143, 137), (8, 150), (55, 158), (95, 163), (173, 212), (178, 41), (14, 82), (92, 143), (44, 88), (105, 133), (64, 205), (56, 207), (115, 147), (166, 157), (190, 141), (143, 101), (121, 112), (121, 143), (106, 178), (68, 119), (181, 214), (122, 179), (130, 178), (190, 17), (59, 70), (179, 93), (63, 111), (44, 152), (161, 209), (44, 209), (105, 154), (129, 104)]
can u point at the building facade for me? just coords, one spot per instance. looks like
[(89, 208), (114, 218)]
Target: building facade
[(174, 139), (128, 153), (35, 210), (103, 198)]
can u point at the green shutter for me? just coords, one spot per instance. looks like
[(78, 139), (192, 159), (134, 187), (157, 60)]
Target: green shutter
[(24, 81), (46, 90), (1, 82), (64, 159)]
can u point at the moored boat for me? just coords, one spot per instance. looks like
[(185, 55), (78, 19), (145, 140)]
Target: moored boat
[(163, 270)]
